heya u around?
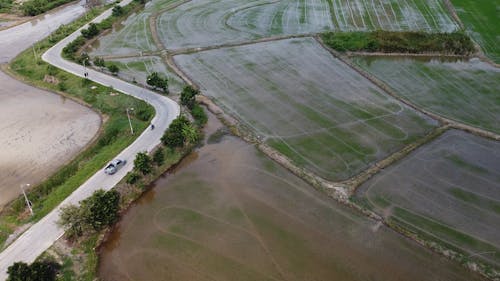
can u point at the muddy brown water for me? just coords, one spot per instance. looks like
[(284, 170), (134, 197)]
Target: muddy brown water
[(227, 212)]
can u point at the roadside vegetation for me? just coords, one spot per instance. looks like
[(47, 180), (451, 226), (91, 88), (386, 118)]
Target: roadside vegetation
[(44, 270), (86, 225), (5, 6), (113, 137), (417, 42)]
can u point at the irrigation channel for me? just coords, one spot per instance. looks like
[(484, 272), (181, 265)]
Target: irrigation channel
[(227, 212)]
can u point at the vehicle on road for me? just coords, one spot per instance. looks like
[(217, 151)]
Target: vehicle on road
[(114, 166)]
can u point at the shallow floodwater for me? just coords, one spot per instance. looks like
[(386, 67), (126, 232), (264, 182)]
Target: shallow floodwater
[(229, 213)]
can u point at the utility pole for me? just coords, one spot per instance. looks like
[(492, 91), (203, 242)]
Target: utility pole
[(28, 203), (34, 53), (129, 122)]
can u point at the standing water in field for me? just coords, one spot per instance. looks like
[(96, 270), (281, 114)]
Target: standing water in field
[(229, 213)]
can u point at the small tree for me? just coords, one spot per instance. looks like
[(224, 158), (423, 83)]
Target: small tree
[(98, 61), (101, 209), (188, 96), (190, 133), (142, 163), (132, 177), (117, 11), (113, 68), (94, 213), (74, 220), (159, 157), (199, 114), (91, 31), (37, 271), (154, 80), (173, 136)]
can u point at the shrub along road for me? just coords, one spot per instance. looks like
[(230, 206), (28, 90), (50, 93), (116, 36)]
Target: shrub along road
[(43, 234)]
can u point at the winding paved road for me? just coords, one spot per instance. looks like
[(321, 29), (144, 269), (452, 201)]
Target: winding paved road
[(44, 233)]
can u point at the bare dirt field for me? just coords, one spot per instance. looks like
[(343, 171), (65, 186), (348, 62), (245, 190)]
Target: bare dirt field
[(230, 213), (464, 90), (39, 132), (448, 189), (306, 104)]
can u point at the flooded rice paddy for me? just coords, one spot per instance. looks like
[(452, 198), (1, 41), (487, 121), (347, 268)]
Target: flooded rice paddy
[(229, 213), (449, 189), (201, 23), (40, 131), (467, 91), (306, 104), (137, 70)]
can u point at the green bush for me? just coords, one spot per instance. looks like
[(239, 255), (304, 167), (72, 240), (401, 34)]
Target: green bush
[(173, 136), (132, 177), (37, 271), (142, 163), (91, 31), (156, 81), (457, 43), (93, 214), (36, 7), (113, 68), (159, 157), (188, 96), (117, 11), (199, 115)]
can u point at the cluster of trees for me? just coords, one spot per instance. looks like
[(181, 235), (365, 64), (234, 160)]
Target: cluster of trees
[(156, 81), (457, 43), (37, 271), (113, 68), (93, 214), (36, 7)]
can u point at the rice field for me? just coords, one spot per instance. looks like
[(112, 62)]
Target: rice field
[(132, 36), (481, 17), (466, 91), (448, 190), (137, 69), (207, 22), (306, 104)]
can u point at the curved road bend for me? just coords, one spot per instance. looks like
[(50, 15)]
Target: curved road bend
[(44, 233)]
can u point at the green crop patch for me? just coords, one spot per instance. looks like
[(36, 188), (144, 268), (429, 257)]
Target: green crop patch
[(480, 17)]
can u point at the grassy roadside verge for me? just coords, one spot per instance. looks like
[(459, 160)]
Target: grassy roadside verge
[(114, 135)]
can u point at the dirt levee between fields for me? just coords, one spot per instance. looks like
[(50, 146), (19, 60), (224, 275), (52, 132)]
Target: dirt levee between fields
[(39, 132)]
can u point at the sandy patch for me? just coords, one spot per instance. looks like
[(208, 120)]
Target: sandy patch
[(39, 131)]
